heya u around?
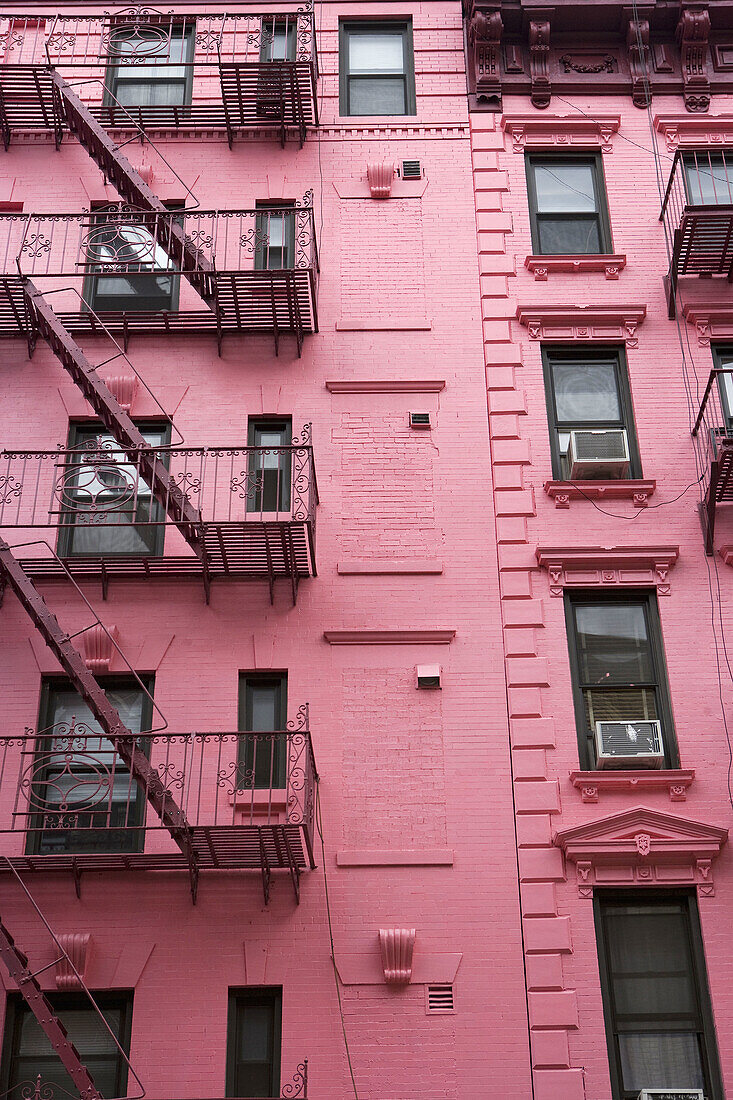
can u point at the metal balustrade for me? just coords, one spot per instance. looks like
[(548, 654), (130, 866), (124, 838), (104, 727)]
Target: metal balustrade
[(713, 438), (221, 71)]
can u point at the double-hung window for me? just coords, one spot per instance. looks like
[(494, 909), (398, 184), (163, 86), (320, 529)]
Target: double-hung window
[(567, 205), (107, 510), (27, 1052), (253, 1046), (83, 797), (270, 466), (149, 64), (126, 268), (617, 665), (723, 359), (592, 434), (656, 1002), (278, 37), (263, 715), (708, 178), (275, 237), (377, 68)]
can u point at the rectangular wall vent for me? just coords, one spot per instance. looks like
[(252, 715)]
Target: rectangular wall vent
[(411, 170), (419, 420), (439, 998)]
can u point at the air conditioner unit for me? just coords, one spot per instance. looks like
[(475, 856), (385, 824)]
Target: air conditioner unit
[(598, 453), (633, 743), (671, 1094)]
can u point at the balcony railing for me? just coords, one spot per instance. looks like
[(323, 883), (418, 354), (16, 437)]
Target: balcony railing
[(233, 72), (127, 268), (713, 437), (42, 1089), (698, 214), (257, 509), (69, 799)]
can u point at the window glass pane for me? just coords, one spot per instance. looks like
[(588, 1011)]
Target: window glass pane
[(620, 705), (264, 706), (255, 1034), (586, 392), (725, 382), (613, 646), (565, 188), (660, 1059), (376, 52), (579, 237), (158, 93), (709, 179), (377, 96)]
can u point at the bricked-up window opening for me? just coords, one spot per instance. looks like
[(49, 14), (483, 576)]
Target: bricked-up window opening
[(126, 267), (618, 668), (376, 67), (263, 709), (253, 1042), (269, 465), (27, 1052), (439, 999), (83, 797), (723, 357), (108, 510), (150, 65), (656, 1002), (275, 241), (588, 392), (567, 205), (709, 178)]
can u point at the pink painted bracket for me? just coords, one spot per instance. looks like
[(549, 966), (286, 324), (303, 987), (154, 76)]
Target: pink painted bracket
[(590, 566), (396, 946), (76, 946), (567, 323), (568, 131), (642, 847), (98, 646), (592, 784), (633, 489), (542, 266)]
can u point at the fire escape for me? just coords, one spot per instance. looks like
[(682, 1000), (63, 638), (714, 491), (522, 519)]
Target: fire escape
[(195, 801)]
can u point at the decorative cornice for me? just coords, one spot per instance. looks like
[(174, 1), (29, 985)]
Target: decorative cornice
[(542, 266), (576, 131), (633, 489), (689, 131), (693, 31), (712, 322), (642, 847), (592, 784), (601, 566), (387, 385), (389, 637), (582, 322), (396, 946)]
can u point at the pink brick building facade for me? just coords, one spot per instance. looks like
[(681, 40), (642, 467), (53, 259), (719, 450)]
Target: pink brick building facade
[(332, 301)]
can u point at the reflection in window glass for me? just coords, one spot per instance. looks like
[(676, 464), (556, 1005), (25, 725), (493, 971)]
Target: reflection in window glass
[(566, 206), (709, 178), (377, 76)]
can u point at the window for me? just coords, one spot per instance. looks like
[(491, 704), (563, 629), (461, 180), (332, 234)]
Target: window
[(28, 1053), (617, 664), (84, 797), (376, 69), (263, 709), (657, 1007), (149, 65), (107, 510), (589, 389), (567, 205), (269, 465), (278, 39), (126, 267), (723, 358), (275, 237), (253, 1046), (708, 178)]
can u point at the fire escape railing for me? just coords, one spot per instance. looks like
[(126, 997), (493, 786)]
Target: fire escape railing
[(712, 435), (697, 211), (232, 72)]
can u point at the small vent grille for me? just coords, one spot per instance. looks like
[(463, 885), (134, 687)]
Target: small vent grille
[(598, 445), (419, 420), (439, 998), (411, 170)]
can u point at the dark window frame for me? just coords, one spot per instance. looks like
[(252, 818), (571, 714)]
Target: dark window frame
[(346, 27), (255, 501), (252, 995), (276, 767), (721, 352), (134, 836), (647, 599), (65, 539), (16, 1009), (552, 353), (602, 216), (645, 896), (269, 27), (112, 79)]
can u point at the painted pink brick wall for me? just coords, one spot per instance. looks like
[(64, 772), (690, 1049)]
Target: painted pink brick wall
[(401, 770)]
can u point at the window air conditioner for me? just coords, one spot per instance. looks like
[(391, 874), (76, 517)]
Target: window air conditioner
[(598, 453), (629, 744), (671, 1094)]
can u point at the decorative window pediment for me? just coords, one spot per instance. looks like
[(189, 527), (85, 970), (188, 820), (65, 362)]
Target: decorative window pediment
[(689, 131), (642, 847), (563, 323), (601, 566), (563, 131)]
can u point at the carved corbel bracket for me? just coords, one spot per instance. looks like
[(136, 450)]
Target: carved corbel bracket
[(76, 951), (485, 29), (123, 388), (693, 31), (98, 646), (637, 43), (539, 62), (396, 946)]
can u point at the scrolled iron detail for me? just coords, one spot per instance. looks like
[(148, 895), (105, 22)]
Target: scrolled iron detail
[(297, 1087), (35, 245), (10, 487), (247, 484), (299, 724)]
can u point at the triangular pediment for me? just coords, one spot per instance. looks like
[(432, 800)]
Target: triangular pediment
[(624, 827)]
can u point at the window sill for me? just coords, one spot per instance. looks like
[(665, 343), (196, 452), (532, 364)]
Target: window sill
[(592, 783), (633, 489), (542, 266)]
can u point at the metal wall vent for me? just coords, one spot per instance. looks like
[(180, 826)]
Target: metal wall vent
[(411, 170), (419, 420), (439, 998)]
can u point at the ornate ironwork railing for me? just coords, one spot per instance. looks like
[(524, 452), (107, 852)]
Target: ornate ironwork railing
[(68, 780), (99, 486)]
